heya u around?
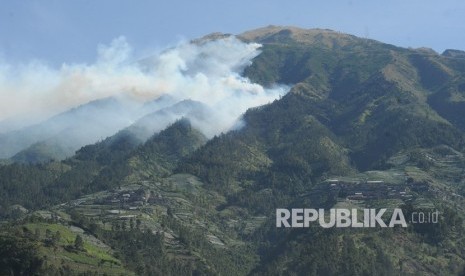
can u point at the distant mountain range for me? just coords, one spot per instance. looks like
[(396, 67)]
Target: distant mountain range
[(62, 135)]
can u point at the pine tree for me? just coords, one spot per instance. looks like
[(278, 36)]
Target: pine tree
[(79, 243)]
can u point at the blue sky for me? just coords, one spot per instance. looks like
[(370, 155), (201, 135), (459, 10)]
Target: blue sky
[(57, 31)]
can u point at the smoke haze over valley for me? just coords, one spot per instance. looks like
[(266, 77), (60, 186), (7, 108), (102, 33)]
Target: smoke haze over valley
[(118, 90)]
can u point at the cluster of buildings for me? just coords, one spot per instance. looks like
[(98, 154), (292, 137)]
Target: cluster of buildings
[(132, 199), (374, 189)]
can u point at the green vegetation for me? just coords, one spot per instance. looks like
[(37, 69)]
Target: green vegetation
[(358, 111)]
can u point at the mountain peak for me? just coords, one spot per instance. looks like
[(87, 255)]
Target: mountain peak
[(210, 37), (454, 53), (290, 34)]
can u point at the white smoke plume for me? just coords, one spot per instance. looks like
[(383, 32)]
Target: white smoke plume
[(207, 71)]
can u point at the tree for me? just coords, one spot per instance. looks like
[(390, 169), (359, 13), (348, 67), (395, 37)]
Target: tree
[(79, 243), (57, 237), (18, 256), (37, 233), (48, 234)]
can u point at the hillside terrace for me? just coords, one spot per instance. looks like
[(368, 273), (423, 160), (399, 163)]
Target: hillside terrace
[(370, 189)]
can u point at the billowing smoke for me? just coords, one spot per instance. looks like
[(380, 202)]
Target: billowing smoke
[(206, 71), (209, 72)]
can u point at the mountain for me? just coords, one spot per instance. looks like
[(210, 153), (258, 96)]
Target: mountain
[(375, 97), (364, 125), (355, 106), (62, 135), (69, 130), (158, 120)]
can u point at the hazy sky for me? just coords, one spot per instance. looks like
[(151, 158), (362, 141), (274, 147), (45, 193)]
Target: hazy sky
[(57, 31)]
